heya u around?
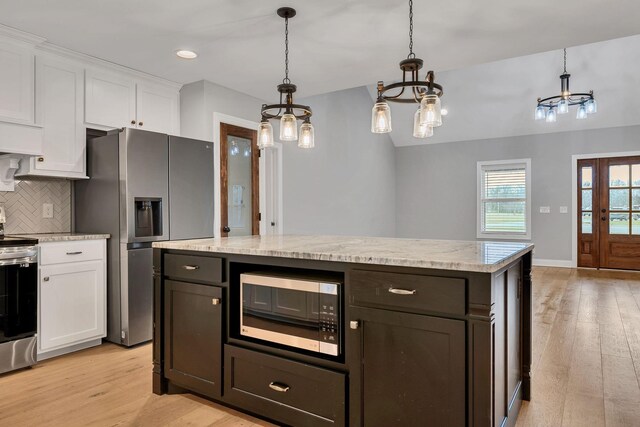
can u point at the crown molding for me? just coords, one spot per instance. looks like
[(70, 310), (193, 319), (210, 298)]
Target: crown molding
[(41, 44), (102, 63), (20, 35)]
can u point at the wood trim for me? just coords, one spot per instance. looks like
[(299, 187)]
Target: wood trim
[(252, 135)]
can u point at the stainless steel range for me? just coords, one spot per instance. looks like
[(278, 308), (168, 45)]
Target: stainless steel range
[(18, 302)]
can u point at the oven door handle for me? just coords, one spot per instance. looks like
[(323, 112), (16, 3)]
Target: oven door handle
[(279, 387)]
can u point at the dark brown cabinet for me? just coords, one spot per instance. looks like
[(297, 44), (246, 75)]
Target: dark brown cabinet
[(193, 336), (507, 344), (406, 369), (291, 392)]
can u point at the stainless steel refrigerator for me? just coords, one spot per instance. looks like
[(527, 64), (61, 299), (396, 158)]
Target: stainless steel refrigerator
[(143, 187)]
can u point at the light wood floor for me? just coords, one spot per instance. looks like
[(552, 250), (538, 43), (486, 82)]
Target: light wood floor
[(586, 369)]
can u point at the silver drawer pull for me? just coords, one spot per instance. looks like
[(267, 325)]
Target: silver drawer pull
[(216, 301), (399, 291), (191, 267), (354, 324), (74, 253), (282, 388)]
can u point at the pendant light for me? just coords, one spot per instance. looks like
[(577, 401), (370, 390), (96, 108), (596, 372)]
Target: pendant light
[(549, 108), (411, 89), (288, 112)]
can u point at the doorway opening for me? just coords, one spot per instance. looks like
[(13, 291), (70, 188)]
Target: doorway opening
[(608, 214)]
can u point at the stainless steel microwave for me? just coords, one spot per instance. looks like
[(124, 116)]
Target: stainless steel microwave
[(298, 312)]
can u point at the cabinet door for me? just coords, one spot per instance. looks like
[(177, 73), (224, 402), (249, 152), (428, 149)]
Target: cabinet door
[(406, 370), (157, 109), (193, 336), (16, 84), (110, 100), (72, 304), (60, 101)]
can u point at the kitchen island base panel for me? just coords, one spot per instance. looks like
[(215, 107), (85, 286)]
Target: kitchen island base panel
[(490, 350)]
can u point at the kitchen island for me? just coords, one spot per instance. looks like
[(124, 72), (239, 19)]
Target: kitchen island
[(424, 332)]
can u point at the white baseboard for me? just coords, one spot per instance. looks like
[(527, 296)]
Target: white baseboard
[(552, 263)]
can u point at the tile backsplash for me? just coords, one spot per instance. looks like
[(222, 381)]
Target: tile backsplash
[(23, 207)]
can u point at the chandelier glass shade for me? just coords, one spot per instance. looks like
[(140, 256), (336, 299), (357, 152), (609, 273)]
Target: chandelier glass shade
[(286, 110), (549, 108), (411, 89)]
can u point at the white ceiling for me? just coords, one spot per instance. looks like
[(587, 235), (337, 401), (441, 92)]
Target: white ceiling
[(335, 44), (498, 99)]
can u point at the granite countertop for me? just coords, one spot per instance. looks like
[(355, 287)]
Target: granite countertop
[(485, 257), (64, 237)]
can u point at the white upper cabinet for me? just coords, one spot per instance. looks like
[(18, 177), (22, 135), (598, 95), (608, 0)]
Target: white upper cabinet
[(59, 96), (110, 100), (16, 84), (115, 101), (18, 132), (158, 108)]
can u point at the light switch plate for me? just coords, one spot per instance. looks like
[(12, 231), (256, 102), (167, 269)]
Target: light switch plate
[(47, 210), (564, 209), (545, 209)]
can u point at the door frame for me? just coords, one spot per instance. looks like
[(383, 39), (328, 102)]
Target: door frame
[(574, 195), (237, 121)]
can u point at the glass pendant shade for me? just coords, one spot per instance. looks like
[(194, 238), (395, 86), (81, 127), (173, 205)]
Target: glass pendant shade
[(540, 112), (265, 135), (582, 112), (592, 107), (421, 130), (563, 106), (306, 139), (430, 110), (551, 116), (381, 117), (288, 127)]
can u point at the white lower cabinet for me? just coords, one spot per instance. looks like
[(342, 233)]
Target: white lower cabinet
[(72, 296)]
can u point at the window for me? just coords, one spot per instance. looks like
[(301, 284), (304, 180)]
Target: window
[(504, 199)]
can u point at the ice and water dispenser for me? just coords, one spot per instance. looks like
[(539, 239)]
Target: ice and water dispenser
[(148, 212)]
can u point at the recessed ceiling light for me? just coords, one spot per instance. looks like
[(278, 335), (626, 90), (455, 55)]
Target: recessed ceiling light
[(187, 54), (444, 111)]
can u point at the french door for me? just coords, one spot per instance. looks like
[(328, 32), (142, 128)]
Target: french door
[(609, 214)]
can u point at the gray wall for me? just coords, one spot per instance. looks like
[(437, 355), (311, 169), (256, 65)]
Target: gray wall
[(436, 184), (346, 184), (199, 100)]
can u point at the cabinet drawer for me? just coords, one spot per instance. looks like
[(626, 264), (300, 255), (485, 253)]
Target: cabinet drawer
[(74, 251), (408, 292), (191, 267), (290, 392)]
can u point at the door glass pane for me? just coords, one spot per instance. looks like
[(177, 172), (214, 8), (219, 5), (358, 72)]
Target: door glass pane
[(586, 223), (635, 199), (636, 223), (619, 223), (587, 177), (619, 176), (239, 186), (635, 175), (586, 200), (619, 200)]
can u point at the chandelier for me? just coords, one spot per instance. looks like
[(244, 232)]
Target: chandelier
[(288, 112), (426, 93), (549, 108)]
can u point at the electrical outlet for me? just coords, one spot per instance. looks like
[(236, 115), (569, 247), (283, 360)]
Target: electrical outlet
[(545, 209), (47, 210)]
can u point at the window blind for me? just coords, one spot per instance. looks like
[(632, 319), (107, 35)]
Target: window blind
[(504, 199)]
